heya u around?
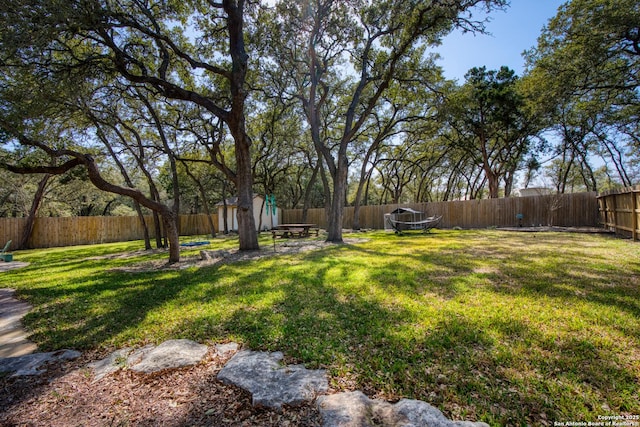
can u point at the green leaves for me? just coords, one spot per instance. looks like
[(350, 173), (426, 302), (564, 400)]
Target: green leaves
[(489, 123), (584, 79)]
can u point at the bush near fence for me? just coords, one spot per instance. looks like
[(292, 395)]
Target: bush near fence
[(70, 231), (564, 210)]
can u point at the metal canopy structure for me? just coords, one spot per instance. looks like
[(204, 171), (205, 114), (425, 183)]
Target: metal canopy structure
[(402, 219)]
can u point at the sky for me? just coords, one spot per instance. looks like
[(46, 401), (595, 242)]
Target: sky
[(512, 32)]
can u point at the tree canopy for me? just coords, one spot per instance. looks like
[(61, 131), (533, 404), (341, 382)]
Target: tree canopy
[(323, 103)]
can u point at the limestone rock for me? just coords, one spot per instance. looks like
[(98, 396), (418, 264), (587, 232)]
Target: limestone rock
[(119, 359), (170, 355), (420, 413), (354, 409), (270, 383), (33, 364), (227, 349), (212, 255)]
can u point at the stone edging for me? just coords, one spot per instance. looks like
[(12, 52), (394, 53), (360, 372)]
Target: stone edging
[(270, 383)]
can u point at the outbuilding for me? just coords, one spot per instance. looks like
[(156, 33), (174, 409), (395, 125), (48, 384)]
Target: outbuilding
[(265, 218)]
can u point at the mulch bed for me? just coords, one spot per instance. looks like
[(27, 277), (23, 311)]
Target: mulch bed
[(68, 395)]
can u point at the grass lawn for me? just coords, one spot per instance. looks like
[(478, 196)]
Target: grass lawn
[(507, 328)]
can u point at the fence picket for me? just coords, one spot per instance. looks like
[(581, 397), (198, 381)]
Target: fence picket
[(620, 211), (69, 231), (568, 210)]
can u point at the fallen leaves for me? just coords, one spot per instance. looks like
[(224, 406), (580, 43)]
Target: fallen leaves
[(190, 396)]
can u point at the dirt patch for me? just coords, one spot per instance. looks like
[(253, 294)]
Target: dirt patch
[(209, 258), (69, 395), (541, 229), (486, 270), (127, 255), (12, 265)]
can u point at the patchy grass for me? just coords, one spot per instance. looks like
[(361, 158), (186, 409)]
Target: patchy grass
[(508, 328)]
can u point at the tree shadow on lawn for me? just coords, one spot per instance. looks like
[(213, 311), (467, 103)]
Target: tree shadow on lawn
[(89, 305), (523, 266), (502, 370), (88, 315), (573, 281), (467, 368), (95, 310), (571, 360)]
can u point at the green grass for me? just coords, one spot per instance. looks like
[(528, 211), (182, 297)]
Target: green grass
[(508, 328)]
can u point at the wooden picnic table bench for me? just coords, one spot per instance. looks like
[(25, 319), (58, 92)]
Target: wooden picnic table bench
[(294, 230)]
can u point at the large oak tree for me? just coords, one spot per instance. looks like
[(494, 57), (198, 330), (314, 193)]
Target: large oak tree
[(191, 51), (584, 77), (343, 56)]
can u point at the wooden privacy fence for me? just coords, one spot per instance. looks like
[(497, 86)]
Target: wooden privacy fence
[(620, 211), (564, 210), (567, 210), (70, 231)]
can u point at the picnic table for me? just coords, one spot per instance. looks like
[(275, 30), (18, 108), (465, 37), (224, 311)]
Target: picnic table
[(294, 230)]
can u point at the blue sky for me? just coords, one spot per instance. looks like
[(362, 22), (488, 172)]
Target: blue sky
[(512, 32)]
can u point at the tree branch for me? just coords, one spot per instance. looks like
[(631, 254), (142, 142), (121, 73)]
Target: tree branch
[(52, 170)]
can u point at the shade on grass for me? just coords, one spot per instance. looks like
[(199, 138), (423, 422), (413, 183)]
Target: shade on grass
[(509, 328)]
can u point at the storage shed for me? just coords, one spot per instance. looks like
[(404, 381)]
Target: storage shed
[(264, 220)]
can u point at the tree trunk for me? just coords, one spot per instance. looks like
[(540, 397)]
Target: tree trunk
[(127, 179), (236, 122), (157, 229), (364, 178), (96, 179), (508, 183), (262, 211), (210, 220), (248, 238), (145, 227), (35, 204), (246, 222), (105, 211), (564, 174), (494, 184), (356, 213), (327, 193), (307, 192), (170, 218), (203, 195), (170, 221), (225, 216), (336, 214)]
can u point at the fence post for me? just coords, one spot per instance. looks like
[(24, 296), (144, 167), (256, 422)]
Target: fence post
[(634, 212), (466, 214)]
